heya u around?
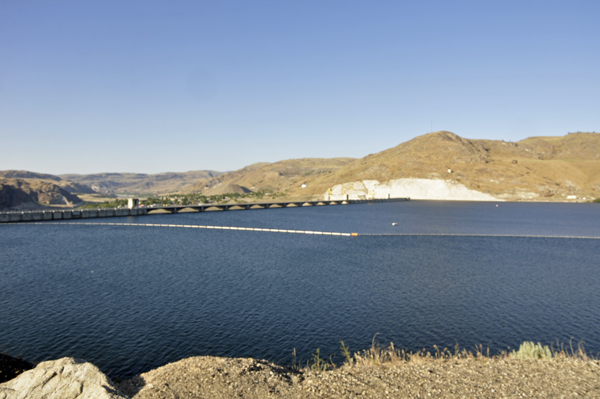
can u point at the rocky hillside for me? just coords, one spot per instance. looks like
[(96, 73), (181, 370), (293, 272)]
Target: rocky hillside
[(69, 186), (30, 194), (534, 168), (537, 168), (140, 183)]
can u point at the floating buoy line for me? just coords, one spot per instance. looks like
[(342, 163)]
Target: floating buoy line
[(325, 233), (194, 226), (480, 235)]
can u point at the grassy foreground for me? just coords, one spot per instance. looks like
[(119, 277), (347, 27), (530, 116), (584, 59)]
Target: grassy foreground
[(378, 355), (380, 372)]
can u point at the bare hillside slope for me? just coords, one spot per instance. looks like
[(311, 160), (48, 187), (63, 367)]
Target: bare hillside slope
[(537, 168), (279, 176)]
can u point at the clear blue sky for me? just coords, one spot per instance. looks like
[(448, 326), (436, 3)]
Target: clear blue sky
[(156, 86)]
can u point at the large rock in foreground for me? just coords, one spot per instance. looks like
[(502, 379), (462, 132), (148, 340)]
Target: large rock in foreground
[(65, 378)]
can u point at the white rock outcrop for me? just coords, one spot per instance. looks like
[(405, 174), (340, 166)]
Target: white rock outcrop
[(65, 378), (424, 189)]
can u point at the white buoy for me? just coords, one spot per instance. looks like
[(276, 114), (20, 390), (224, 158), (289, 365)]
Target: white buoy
[(394, 224)]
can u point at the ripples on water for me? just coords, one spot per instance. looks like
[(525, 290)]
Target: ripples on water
[(133, 298)]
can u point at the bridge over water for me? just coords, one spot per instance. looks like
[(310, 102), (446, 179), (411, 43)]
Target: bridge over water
[(62, 214)]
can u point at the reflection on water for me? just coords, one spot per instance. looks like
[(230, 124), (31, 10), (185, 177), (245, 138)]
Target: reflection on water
[(130, 299)]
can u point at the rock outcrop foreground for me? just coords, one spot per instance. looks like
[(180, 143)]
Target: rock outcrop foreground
[(65, 378)]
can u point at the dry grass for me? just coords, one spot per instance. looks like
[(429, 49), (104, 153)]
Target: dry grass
[(380, 355)]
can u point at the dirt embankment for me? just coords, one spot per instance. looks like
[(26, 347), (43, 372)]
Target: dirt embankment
[(213, 377), (217, 377)]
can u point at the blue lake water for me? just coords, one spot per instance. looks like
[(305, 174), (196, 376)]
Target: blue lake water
[(130, 299)]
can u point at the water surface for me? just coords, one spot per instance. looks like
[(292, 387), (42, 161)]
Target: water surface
[(130, 299)]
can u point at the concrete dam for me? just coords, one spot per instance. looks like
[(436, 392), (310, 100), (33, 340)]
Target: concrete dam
[(66, 214)]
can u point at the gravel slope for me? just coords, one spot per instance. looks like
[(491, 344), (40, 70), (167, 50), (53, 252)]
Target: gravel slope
[(213, 377)]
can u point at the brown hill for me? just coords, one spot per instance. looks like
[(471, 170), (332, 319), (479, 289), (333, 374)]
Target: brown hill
[(279, 176), (21, 193), (541, 168), (537, 167)]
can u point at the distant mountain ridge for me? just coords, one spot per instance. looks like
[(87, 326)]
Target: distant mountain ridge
[(536, 168), (25, 189), (140, 183), (24, 174)]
